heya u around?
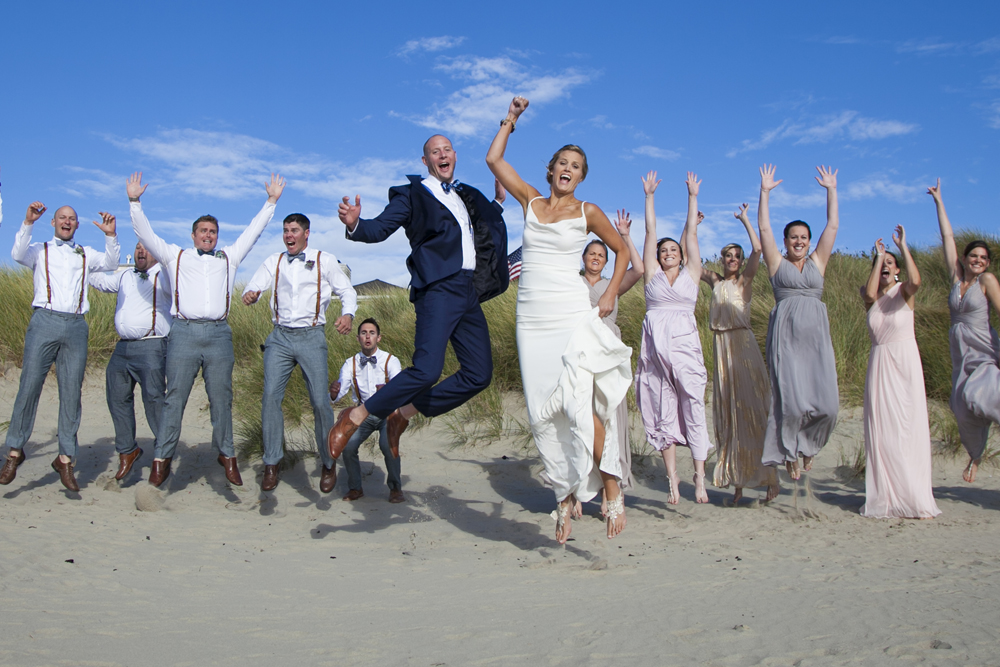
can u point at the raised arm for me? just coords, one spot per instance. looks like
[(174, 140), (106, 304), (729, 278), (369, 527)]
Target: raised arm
[(104, 281), (107, 260), (245, 243), (691, 251), (870, 291), (157, 247), (824, 247), (955, 269), (502, 169), (768, 244), (650, 265), (598, 223), (623, 223), (753, 261), (21, 252), (912, 283)]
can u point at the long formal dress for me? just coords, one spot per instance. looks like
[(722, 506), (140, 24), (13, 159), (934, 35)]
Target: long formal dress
[(741, 393), (621, 414), (670, 376), (572, 366), (975, 373), (804, 394), (897, 432)]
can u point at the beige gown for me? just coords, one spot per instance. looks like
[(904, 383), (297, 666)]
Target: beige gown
[(741, 393)]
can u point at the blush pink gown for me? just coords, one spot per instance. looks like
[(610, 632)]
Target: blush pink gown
[(897, 433)]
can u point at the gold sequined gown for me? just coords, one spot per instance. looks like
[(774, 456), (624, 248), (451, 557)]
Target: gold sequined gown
[(741, 393)]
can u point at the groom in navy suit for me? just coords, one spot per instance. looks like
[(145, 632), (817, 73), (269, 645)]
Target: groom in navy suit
[(458, 259)]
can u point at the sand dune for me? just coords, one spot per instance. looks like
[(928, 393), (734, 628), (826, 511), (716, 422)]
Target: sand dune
[(467, 572)]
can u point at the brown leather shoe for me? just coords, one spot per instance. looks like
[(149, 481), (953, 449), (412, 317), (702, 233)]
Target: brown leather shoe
[(354, 494), (341, 433), (328, 478), (396, 496), (65, 471), (125, 462), (270, 479), (10, 466), (159, 472), (395, 425), (232, 470)]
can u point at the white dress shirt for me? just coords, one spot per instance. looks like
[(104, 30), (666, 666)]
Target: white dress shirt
[(367, 376), (455, 204), (135, 316), (61, 279), (203, 288), (293, 294)]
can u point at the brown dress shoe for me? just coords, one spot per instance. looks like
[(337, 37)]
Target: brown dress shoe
[(396, 496), (10, 466), (328, 478), (65, 471), (341, 433), (395, 425), (159, 472), (125, 462), (232, 470), (354, 494), (270, 478)]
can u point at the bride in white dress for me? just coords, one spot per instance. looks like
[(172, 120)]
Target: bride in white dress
[(575, 372)]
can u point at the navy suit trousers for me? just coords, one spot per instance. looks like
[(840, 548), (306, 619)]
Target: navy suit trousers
[(447, 309)]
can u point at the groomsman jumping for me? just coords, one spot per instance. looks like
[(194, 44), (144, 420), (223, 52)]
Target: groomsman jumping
[(302, 281), (200, 338)]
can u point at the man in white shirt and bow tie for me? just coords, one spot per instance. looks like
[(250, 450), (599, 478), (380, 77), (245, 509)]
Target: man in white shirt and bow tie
[(302, 281), (202, 279), (57, 332), (363, 375), (142, 320)]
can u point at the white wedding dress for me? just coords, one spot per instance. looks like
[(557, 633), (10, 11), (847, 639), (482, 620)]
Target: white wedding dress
[(572, 365)]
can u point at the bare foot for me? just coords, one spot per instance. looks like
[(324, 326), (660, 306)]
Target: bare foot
[(737, 495), (969, 475), (564, 524), (700, 495), (577, 511), (772, 493), (604, 504), (792, 467), (807, 463), (616, 515), (675, 495)]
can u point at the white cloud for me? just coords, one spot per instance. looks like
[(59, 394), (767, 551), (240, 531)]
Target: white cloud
[(490, 84), (841, 39), (994, 119), (926, 46), (429, 45), (657, 153), (991, 45), (94, 182), (846, 124), (881, 185)]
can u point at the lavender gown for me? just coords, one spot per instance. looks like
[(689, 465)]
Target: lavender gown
[(670, 377)]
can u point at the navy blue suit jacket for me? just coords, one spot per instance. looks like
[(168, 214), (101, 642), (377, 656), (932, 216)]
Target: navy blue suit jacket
[(436, 237)]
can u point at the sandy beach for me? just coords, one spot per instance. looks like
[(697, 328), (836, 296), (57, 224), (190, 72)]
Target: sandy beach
[(467, 572)]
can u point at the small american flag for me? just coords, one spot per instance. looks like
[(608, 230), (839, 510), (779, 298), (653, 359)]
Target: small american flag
[(514, 264)]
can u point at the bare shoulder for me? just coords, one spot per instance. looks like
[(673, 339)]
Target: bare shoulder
[(988, 281)]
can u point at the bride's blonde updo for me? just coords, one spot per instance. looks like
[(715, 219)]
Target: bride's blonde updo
[(552, 163)]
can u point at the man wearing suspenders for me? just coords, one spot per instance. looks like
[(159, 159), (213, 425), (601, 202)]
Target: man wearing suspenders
[(363, 375), (200, 338), (301, 281), (142, 320), (57, 332)]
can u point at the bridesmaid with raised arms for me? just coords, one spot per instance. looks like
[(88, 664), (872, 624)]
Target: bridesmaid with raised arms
[(740, 388), (897, 432), (804, 393), (975, 372)]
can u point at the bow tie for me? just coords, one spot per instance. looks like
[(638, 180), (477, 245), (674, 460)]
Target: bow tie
[(205, 252), (448, 187), (142, 274), (368, 360), (70, 243), (301, 256)]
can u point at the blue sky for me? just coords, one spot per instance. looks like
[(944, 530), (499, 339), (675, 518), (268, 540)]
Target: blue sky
[(206, 100)]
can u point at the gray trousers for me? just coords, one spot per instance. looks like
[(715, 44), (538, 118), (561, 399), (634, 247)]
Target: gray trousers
[(353, 463), (142, 361), (59, 338), (194, 345), (285, 347)]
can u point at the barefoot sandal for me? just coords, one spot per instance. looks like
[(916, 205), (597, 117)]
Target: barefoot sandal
[(616, 508)]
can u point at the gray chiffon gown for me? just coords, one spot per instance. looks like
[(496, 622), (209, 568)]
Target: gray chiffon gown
[(975, 373), (803, 371)]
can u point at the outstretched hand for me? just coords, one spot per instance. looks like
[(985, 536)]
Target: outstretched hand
[(623, 223), (935, 191), (649, 183), (827, 177), (134, 186), (879, 248), (107, 224), (899, 237), (274, 188), (741, 214), (767, 182), (349, 213), (693, 184), (500, 193), (517, 107), (35, 210)]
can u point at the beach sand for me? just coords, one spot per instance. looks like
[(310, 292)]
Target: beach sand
[(467, 571)]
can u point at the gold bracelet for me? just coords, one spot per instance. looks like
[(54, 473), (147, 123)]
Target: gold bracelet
[(513, 125)]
